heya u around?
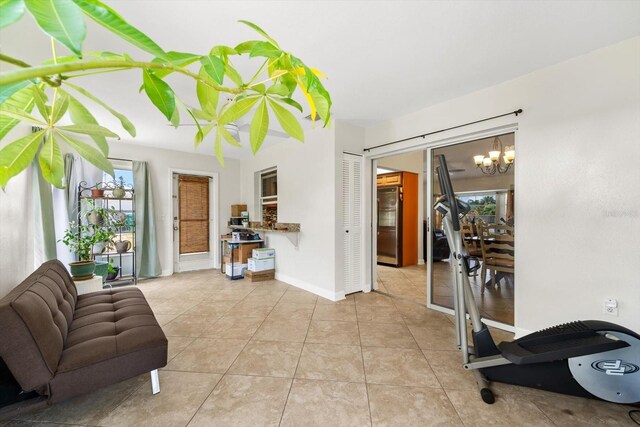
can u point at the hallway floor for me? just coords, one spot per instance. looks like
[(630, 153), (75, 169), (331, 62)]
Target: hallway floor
[(269, 354), (410, 283)]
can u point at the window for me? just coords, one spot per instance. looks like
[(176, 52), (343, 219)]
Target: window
[(269, 196), (489, 206)]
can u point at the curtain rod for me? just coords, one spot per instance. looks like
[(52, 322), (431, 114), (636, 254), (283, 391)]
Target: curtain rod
[(516, 112)]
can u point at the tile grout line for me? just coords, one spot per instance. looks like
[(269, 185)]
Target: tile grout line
[(238, 355), (297, 364), (364, 369)]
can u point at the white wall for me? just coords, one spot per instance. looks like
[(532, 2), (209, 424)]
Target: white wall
[(411, 162), (160, 162), (576, 180), (306, 195), (16, 225)]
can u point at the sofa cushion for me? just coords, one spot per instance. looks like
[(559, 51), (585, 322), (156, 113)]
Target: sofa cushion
[(35, 318), (109, 324)]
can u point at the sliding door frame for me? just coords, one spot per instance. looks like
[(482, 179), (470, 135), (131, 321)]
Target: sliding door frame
[(421, 145)]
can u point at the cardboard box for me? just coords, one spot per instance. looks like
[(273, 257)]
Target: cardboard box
[(238, 269), (263, 253), (236, 210), (261, 264), (260, 276)]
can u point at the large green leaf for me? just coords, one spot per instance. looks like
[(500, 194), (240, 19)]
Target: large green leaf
[(290, 102), (237, 110), (17, 155), (51, 162), (11, 11), (60, 107), (179, 59), (126, 124), (21, 100), (89, 129), (175, 118), (62, 20), (207, 96), (112, 21), (259, 126), (159, 93), (265, 49), (260, 31), (323, 104), (7, 90), (228, 137), (245, 47), (233, 74), (87, 152), (81, 116), (218, 149), (278, 89), (15, 113), (41, 99), (287, 121), (214, 67)]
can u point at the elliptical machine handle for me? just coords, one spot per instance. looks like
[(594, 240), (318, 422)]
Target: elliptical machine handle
[(445, 185)]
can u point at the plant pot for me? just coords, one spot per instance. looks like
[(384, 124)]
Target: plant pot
[(118, 193), (82, 270), (123, 246), (94, 218), (102, 268), (113, 275), (98, 248), (97, 192), (120, 217)]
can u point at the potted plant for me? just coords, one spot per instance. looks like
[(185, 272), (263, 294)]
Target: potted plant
[(103, 236), (99, 216), (97, 191), (112, 271), (119, 192), (80, 240)]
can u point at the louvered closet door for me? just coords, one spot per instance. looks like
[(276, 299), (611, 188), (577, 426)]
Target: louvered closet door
[(352, 223)]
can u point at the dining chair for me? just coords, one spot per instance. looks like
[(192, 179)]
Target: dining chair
[(472, 248), (497, 245)]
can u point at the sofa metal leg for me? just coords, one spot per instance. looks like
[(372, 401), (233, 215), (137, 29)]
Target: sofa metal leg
[(155, 382)]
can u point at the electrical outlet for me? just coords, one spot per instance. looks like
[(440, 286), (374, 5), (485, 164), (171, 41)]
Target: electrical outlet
[(611, 307)]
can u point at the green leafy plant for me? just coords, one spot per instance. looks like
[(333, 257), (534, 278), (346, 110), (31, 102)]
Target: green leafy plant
[(48, 88), (80, 240), (110, 268)]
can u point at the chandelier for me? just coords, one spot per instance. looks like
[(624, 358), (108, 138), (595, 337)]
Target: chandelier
[(499, 160)]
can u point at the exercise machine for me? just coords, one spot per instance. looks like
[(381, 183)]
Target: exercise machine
[(588, 358)]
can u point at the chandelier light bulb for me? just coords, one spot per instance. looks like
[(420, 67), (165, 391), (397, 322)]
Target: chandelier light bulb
[(494, 155), (478, 159), (486, 162)]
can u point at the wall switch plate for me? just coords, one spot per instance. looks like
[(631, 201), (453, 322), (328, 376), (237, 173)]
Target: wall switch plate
[(611, 307)]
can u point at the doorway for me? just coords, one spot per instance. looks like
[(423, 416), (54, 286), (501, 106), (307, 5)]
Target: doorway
[(430, 281), (490, 194), (192, 214)]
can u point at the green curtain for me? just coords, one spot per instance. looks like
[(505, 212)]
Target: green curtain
[(147, 259), (70, 188), (43, 211)]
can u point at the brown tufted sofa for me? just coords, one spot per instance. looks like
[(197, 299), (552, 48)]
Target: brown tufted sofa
[(61, 345)]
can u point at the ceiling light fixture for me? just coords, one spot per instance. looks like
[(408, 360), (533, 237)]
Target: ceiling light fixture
[(499, 160)]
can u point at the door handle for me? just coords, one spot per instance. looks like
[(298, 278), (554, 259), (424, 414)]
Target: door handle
[(175, 228)]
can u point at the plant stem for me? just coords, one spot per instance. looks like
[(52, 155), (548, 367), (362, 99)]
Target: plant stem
[(41, 71), (19, 63), (66, 77)]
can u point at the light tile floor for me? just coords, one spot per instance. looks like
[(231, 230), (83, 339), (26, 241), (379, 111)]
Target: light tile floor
[(269, 354)]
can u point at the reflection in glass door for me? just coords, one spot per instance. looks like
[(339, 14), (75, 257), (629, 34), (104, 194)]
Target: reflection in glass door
[(491, 198)]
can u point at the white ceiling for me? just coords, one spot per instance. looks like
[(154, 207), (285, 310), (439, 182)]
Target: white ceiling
[(383, 58)]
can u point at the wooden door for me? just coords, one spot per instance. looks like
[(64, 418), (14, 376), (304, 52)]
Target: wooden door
[(193, 200)]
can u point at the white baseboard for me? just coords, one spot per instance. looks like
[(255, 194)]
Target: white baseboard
[(324, 293)]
